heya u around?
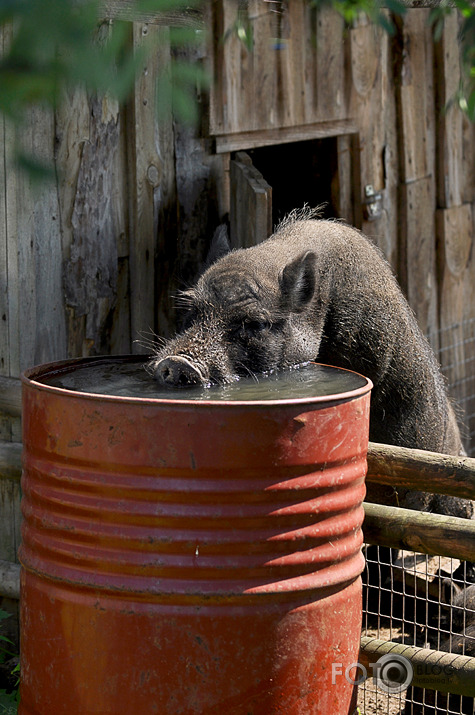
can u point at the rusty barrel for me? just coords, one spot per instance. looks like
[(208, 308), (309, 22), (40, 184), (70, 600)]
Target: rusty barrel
[(189, 557)]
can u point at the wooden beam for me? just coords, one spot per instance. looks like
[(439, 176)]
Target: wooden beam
[(127, 10), (419, 531), (285, 135), (430, 666), (421, 470)]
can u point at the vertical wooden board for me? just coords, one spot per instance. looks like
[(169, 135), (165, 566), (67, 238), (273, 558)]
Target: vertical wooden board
[(310, 67), (347, 185), (251, 204), (418, 229), (10, 519), (232, 72), (468, 161), (416, 133), (35, 317), (261, 91), (167, 244), (416, 96), (289, 48), (216, 54), (41, 255), (373, 105), (146, 169), (90, 266), (449, 119), (331, 69)]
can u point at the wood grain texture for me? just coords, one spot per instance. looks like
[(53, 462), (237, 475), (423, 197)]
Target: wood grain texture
[(416, 117), (449, 117), (419, 531), (145, 167), (373, 105), (10, 396), (421, 470), (251, 204), (293, 75)]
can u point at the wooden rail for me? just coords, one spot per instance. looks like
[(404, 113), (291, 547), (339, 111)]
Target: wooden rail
[(428, 665), (419, 531), (424, 471)]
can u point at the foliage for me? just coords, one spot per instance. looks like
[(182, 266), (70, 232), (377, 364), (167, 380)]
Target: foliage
[(8, 700), (60, 44)]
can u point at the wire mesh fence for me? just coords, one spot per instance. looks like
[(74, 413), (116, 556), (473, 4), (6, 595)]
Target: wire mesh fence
[(423, 601), (456, 354)]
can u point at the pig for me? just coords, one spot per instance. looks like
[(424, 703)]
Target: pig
[(318, 290)]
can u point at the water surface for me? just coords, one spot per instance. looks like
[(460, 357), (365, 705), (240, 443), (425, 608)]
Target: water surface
[(131, 379)]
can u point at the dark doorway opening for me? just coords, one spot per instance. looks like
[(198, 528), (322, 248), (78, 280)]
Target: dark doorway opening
[(301, 173)]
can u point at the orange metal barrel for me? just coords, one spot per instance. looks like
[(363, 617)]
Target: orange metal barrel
[(184, 557)]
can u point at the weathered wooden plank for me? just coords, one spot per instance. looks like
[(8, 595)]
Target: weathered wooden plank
[(421, 470), (231, 98), (427, 665), (10, 519), (10, 396), (449, 120), (127, 10), (415, 106), (270, 137), (251, 204), (96, 219), (146, 173), (415, 90), (9, 342), (330, 65), (373, 106), (417, 222), (10, 460), (419, 531), (468, 161), (288, 49), (166, 205), (262, 90), (40, 262)]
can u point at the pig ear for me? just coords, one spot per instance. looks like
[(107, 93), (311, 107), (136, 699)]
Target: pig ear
[(297, 281), (219, 245)]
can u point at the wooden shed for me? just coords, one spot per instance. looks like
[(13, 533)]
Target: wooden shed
[(314, 112)]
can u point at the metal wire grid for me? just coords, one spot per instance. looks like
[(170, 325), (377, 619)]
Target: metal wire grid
[(456, 354), (408, 598)]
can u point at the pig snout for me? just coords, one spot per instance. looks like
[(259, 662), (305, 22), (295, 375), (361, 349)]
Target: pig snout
[(178, 371)]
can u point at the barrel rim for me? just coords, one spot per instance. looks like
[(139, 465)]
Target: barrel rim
[(29, 379)]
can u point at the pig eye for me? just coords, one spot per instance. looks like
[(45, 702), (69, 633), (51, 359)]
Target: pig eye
[(189, 317), (256, 326)]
